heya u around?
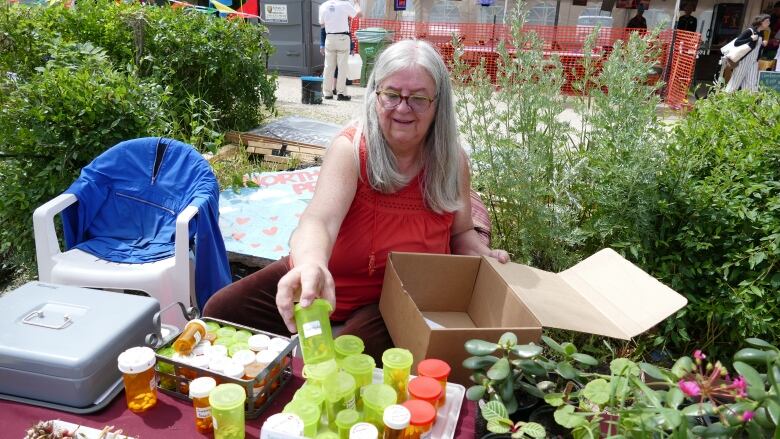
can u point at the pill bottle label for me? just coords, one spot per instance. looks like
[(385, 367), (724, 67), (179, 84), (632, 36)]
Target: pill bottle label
[(310, 329)]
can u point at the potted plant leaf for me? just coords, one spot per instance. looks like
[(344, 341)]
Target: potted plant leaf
[(505, 372), (501, 426), (695, 398)]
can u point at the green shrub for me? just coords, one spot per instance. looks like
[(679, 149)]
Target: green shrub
[(220, 61), (719, 237), (213, 66), (57, 121)]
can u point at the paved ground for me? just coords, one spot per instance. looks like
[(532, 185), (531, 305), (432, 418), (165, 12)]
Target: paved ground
[(288, 103)]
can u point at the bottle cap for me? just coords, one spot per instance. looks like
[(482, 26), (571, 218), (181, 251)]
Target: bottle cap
[(236, 347), (218, 350), (217, 364), (201, 361), (242, 335), (311, 393), (227, 397), (358, 364), (397, 358), (425, 388), (423, 413), (136, 360), (212, 326), (278, 344), (348, 345), (185, 359), (258, 342), (202, 348), (317, 305), (320, 371), (225, 340), (201, 387), (363, 430), (434, 368), (286, 423), (379, 395), (226, 331), (198, 322), (345, 384), (347, 418), (166, 352), (244, 357), (396, 417), (266, 357), (233, 370), (307, 411), (327, 434)]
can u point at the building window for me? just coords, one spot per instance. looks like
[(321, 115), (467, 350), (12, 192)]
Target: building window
[(542, 14), (445, 11), (487, 14)]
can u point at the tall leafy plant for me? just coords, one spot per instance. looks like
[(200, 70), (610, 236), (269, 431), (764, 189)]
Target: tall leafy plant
[(520, 154), (620, 147)]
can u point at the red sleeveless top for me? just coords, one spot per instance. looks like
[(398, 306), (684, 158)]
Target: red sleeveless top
[(375, 225)]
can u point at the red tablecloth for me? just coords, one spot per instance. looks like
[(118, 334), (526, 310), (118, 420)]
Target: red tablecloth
[(171, 418)]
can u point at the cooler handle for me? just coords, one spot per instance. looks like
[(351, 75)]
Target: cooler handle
[(30, 320)]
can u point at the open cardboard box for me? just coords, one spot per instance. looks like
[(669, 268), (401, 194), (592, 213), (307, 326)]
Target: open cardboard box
[(432, 304)]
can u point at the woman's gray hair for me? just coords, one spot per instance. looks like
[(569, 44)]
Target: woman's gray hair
[(442, 153), (758, 19)]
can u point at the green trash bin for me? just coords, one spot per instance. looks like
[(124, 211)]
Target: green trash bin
[(371, 42)]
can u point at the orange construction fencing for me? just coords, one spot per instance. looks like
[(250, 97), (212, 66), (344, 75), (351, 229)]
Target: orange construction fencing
[(479, 41)]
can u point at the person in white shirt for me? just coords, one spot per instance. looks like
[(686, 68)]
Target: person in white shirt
[(334, 17)]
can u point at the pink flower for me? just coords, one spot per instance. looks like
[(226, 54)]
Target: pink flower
[(740, 385), (699, 355), (689, 388), (747, 415)]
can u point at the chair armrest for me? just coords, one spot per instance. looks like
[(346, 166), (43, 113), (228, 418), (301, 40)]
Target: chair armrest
[(182, 244), (46, 243)]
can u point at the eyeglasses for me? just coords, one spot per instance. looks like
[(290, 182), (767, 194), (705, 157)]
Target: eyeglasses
[(390, 99)]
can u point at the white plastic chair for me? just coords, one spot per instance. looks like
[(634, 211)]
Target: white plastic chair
[(129, 223), (169, 280)]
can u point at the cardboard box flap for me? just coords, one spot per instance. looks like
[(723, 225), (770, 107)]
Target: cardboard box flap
[(640, 300), (604, 294)]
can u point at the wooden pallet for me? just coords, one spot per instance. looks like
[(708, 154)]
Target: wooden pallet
[(277, 150)]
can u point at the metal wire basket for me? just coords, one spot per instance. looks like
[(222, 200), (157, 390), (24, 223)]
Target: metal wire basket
[(260, 392)]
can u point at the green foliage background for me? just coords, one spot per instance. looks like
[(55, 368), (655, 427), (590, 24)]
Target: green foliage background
[(695, 203), (718, 237), (74, 82)]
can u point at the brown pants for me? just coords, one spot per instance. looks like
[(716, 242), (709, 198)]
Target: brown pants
[(251, 302)]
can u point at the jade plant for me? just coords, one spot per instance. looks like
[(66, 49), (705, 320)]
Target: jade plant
[(502, 369)]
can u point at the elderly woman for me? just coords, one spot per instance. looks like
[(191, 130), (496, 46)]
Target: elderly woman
[(396, 181)]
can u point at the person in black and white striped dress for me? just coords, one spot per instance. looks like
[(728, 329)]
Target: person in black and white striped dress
[(745, 74)]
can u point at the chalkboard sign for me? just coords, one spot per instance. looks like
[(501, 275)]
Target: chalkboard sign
[(769, 79)]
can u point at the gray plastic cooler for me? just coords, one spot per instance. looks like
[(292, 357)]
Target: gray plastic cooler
[(59, 344)]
